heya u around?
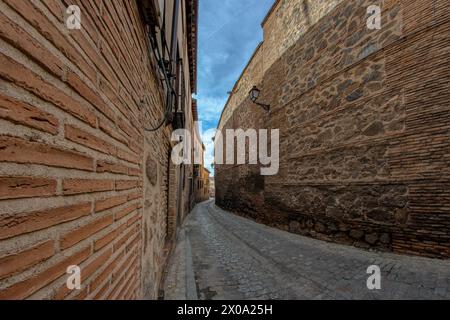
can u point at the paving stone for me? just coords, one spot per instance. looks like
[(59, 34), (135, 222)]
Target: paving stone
[(236, 258)]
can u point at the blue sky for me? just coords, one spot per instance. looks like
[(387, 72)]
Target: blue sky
[(229, 32)]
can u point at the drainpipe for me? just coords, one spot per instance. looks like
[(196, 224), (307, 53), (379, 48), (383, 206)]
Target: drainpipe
[(174, 40)]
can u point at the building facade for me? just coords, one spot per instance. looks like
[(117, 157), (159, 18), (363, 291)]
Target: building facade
[(212, 189), (86, 119), (201, 181), (363, 114)]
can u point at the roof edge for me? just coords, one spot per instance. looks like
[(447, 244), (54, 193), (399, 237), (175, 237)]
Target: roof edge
[(269, 14), (239, 79), (192, 39)]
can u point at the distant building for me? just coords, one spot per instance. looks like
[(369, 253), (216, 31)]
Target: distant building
[(201, 180), (212, 188)]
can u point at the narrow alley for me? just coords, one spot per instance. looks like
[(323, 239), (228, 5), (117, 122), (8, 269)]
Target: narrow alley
[(224, 150), (224, 256)]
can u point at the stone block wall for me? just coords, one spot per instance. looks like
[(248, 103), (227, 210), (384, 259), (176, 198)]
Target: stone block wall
[(364, 129), (81, 183), (287, 21)]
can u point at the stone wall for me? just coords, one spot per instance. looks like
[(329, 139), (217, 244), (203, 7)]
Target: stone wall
[(81, 182), (285, 23), (364, 128)]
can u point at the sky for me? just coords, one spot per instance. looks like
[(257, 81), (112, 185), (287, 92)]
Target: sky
[(229, 32)]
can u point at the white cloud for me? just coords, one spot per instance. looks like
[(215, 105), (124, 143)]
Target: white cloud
[(207, 136), (210, 108)]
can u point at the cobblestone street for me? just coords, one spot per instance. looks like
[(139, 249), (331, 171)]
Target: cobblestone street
[(223, 256)]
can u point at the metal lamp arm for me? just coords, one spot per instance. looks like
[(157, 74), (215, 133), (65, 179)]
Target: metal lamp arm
[(264, 106)]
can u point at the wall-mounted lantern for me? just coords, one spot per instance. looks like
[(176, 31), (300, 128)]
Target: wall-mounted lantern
[(254, 95)]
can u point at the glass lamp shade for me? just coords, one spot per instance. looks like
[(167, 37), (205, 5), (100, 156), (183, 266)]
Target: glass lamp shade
[(254, 93)]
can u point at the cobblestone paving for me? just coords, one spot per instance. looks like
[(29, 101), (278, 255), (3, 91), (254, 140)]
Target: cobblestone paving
[(236, 258)]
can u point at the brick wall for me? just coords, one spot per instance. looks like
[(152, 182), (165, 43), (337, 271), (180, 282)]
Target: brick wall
[(364, 128), (74, 185)]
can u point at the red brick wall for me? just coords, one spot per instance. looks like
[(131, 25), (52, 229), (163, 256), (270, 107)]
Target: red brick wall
[(73, 189), (364, 130)]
